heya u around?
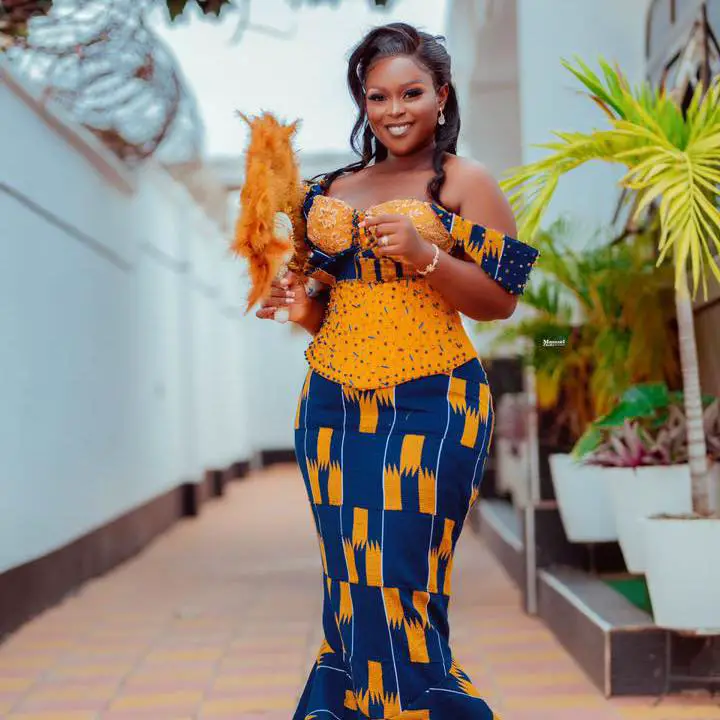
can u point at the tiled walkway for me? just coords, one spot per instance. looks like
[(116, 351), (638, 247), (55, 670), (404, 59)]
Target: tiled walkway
[(220, 619)]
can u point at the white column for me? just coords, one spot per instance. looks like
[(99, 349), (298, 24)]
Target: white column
[(555, 29)]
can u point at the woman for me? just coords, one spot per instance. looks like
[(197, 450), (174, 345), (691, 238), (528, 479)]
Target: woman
[(395, 417)]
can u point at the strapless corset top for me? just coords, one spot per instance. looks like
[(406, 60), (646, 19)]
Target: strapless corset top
[(384, 323), (332, 224)]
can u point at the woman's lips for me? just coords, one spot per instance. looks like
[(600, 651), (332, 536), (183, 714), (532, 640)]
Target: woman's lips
[(399, 130)]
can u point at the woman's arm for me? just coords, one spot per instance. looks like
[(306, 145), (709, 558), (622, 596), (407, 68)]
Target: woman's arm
[(289, 293), (465, 285), (468, 288), (313, 320)]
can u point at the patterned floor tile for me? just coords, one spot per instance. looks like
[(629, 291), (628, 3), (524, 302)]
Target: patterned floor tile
[(220, 619)]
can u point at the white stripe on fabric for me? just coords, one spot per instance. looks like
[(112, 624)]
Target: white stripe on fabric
[(342, 504), (340, 670), (382, 549), (456, 692), (312, 502), (437, 478), (322, 710)]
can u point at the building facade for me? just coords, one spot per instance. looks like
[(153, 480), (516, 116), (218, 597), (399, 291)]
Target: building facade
[(515, 94)]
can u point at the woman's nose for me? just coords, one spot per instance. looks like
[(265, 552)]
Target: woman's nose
[(396, 107)]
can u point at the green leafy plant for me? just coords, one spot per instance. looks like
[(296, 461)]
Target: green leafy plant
[(647, 427), (672, 157), (208, 7), (601, 320), (15, 16)]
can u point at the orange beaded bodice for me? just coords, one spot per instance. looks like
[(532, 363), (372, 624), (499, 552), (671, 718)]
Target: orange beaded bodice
[(385, 324), (330, 222)]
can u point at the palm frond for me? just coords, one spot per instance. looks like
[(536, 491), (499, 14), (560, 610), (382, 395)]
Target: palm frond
[(670, 158)]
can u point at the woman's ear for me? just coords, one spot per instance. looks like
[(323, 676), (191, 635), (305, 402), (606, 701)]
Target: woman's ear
[(442, 94)]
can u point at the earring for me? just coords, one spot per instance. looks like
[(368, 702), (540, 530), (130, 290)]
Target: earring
[(441, 118)]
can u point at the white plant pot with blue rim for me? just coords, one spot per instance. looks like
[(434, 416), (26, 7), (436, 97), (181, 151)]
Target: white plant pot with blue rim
[(583, 498)]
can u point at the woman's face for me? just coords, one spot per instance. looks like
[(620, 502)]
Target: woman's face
[(402, 104)]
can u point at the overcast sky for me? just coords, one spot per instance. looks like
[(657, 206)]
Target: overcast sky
[(302, 77)]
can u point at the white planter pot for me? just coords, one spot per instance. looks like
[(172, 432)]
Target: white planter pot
[(638, 493), (584, 501), (504, 475), (513, 470), (683, 574)]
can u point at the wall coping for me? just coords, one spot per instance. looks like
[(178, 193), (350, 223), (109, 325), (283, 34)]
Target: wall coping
[(110, 167)]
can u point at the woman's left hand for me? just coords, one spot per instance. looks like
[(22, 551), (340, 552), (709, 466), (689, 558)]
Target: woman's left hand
[(398, 238)]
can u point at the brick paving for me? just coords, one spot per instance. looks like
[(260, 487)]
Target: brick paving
[(220, 618)]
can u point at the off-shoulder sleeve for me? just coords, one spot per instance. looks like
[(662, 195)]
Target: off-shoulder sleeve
[(505, 259)]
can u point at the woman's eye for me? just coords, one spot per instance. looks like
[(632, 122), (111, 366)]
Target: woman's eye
[(413, 93)]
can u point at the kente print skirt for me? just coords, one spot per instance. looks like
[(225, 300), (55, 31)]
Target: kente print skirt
[(391, 475)]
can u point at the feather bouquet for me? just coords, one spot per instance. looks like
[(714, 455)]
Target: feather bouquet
[(270, 203)]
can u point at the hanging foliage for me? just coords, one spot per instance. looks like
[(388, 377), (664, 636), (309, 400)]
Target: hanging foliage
[(214, 7), (16, 14)]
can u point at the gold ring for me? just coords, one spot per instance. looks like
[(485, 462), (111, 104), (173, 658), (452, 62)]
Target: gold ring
[(383, 241)]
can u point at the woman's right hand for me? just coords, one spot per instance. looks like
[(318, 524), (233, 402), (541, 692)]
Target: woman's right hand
[(287, 292)]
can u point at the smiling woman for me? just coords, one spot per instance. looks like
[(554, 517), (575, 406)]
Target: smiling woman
[(395, 417), (402, 108)]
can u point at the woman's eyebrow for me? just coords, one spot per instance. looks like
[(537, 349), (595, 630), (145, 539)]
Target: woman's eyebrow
[(406, 84)]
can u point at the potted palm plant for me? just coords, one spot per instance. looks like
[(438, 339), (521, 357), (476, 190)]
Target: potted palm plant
[(592, 300), (672, 156)]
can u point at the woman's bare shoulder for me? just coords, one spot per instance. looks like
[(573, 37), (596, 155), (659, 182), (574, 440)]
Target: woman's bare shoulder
[(477, 195), (467, 174)]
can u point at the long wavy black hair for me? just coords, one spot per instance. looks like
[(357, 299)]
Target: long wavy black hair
[(389, 41)]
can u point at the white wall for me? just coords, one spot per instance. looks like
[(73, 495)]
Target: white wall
[(514, 93), (462, 23), (555, 29), (482, 40), (122, 371)]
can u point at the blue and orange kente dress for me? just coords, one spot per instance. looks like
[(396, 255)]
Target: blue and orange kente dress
[(393, 427)]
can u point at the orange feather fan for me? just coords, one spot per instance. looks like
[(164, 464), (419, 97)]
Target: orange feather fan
[(271, 186)]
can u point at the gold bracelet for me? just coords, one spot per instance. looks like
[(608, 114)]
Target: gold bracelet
[(432, 265)]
